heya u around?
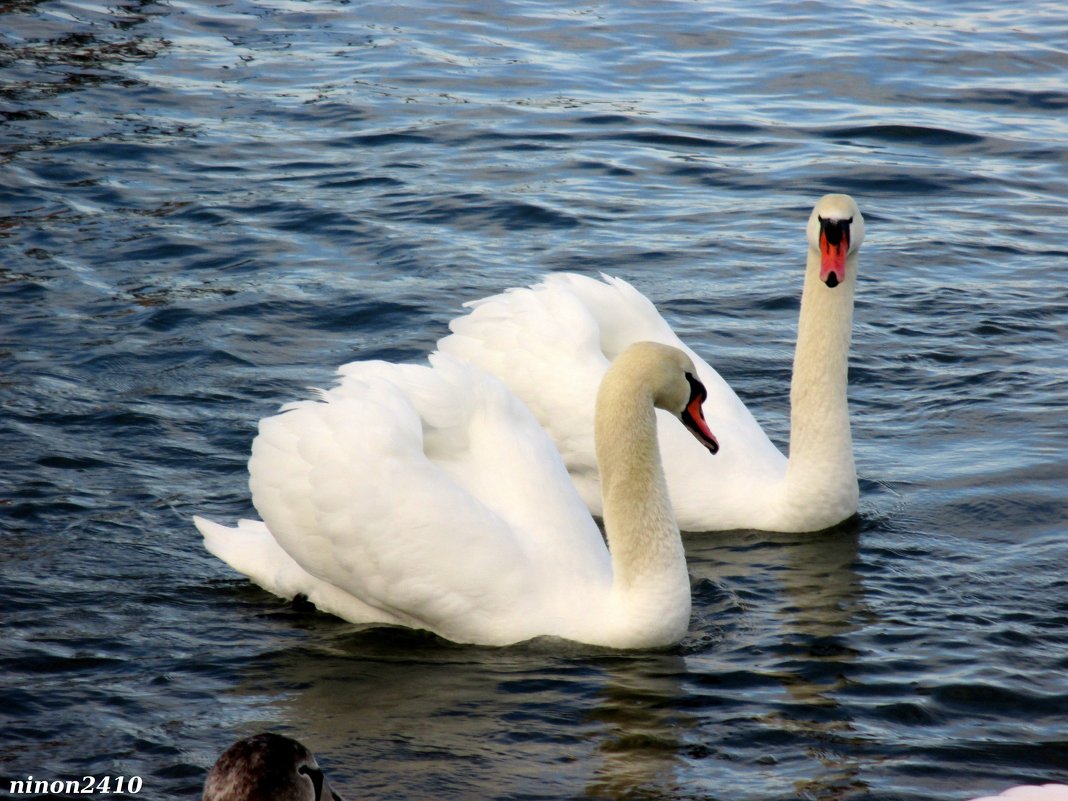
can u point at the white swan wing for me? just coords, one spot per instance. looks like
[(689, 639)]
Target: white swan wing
[(623, 316), (551, 343), (486, 440), (430, 494), (545, 345)]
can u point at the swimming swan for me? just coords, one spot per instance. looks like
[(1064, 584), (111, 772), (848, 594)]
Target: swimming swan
[(430, 497), (267, 767), (552, 342)]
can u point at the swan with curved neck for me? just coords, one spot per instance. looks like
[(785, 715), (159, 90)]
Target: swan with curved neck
[(550, 344), (429, 497)]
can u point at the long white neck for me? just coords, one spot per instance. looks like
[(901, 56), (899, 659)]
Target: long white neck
[(650, 579), (821, 466)]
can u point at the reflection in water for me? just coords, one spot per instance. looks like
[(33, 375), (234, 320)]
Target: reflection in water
[(642, 727), (402, 712), (823, 595), (803, 595), (395, 712)]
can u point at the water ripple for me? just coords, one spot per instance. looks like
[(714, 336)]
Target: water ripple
[(207, 208)]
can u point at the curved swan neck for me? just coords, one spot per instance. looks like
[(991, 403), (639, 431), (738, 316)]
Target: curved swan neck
[(643, 536), (820, 438)]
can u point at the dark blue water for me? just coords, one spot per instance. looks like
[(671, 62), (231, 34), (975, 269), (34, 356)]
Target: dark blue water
[(206, 207)]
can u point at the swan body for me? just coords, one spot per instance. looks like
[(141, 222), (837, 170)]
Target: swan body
[(551, 343), (429, 497), (267, 767)]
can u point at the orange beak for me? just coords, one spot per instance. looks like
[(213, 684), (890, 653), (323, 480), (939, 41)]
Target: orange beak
[(834, 247), (693, 416)]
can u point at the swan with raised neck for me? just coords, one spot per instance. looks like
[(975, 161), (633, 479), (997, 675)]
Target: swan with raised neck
[(820, 487), (551, 342), (752, 484)]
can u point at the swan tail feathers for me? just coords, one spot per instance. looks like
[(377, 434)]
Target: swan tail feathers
[(250, 549)]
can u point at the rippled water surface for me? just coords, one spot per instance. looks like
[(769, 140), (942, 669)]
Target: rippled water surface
[(207, 207)]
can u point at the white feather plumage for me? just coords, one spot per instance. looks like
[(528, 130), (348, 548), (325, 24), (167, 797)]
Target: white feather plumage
[(429, 496)]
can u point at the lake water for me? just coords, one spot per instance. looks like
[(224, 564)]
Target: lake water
[(206, 207)]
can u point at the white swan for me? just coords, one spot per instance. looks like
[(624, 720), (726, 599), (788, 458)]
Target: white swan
[(267, 767), (552, 342), (430, 497), (1031, 792)]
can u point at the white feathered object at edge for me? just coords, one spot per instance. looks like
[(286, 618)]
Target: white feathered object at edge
[(1031, 792), (429, 497), (552, 342)]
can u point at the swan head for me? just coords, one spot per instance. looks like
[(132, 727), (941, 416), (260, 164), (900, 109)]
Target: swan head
[(267, 767), (672, 380), (835, 230)]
